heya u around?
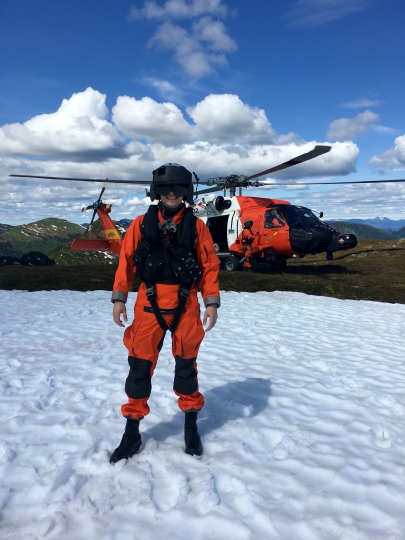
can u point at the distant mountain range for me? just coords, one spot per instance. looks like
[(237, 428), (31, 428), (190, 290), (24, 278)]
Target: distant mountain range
[(383, 223)]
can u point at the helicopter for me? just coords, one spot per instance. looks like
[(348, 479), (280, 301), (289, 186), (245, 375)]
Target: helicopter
[(281, 230)]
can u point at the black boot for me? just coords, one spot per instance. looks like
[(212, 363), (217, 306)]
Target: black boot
[(191, 436), (130, 443)]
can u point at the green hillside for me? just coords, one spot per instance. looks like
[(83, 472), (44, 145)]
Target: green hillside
[(62, 255), (401, 233), (44, 236), (363, 231)]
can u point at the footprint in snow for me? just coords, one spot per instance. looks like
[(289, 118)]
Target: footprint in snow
[(380, 436), (169, 487)]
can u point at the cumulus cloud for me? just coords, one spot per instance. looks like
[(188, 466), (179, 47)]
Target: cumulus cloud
[(205, 158), (313, 13), (393, 159), (214, 34), (227, 136), (147, 119), (23, 200), (178, 9), (360, 103), (340, 161), (346, 129), (225, 117), (199, 51), (79, 129)]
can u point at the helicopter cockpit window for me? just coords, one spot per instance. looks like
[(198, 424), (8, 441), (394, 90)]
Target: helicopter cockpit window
[(272, 219), (308, 215)]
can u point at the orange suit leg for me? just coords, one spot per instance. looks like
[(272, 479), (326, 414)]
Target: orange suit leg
[(186, 342), (248, 254), (144, 340)]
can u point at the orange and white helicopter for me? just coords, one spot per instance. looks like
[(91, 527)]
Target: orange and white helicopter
[(281, 230)]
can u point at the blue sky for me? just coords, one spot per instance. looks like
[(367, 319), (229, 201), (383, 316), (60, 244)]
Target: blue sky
[(114, 89)]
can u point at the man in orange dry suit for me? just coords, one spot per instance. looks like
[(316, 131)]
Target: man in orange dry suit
[(247, 241), (173, 253)]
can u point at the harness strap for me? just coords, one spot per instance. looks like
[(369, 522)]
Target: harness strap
[(184, 292)]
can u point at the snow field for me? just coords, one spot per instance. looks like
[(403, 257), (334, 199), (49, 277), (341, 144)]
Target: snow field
[(303, 428)]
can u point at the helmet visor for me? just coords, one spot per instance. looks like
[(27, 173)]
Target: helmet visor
[(179, 191)]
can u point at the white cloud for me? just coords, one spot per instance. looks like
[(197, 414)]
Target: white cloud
[(360, 103), (393, 159), (227, 137), (25, 200), (197, 52), (165, 89), (346, 129), (224, 117), (214, 34), (340, 161), (313, 13), (384, 129), (79, 129), (178, 9), (147, 119), (360, 201), (199, 49)]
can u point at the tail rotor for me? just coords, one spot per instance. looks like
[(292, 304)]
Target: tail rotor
[(95, 206)]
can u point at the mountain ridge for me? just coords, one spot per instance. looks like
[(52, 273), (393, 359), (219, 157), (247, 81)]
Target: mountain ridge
[(43, 236), (383, 223)]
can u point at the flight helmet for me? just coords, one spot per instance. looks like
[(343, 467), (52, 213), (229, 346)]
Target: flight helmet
[(247, 224), (172, 177)]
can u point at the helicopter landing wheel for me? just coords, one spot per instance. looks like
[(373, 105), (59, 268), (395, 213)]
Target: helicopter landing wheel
[(231, 264), (329, 256)]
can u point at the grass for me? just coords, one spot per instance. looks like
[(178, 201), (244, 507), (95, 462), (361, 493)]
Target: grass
[(374, 271)]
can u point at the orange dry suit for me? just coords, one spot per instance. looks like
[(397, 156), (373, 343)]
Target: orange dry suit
[(158, 258), (247, 241)]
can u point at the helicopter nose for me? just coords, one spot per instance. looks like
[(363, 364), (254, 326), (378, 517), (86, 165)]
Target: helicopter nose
[(347, 241)]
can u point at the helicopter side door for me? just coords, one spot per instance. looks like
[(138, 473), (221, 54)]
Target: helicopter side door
[(274, 233), (218, 227), (233, 227)]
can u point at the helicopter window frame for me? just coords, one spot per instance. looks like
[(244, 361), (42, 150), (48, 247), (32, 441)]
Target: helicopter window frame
[(308, 215), (273, 213)]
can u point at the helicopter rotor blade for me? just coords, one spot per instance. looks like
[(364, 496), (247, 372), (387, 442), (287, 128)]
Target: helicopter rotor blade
[(101, 194), (135, 182), (91, 222), (330, 183), (210, 190), (138, 182), (319, 150), (96, 207)]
